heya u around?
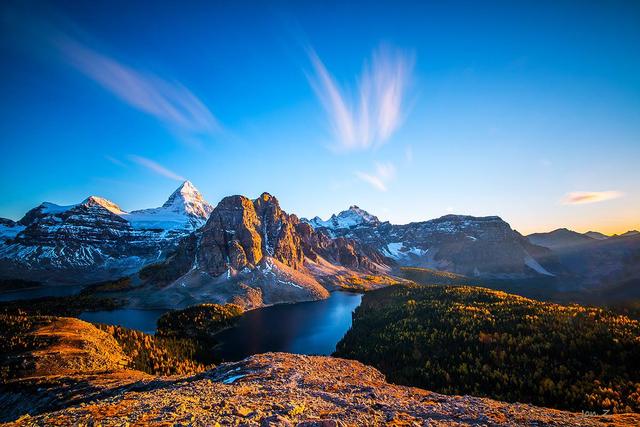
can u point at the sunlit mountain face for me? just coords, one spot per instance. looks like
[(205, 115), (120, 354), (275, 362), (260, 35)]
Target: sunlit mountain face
[(394, 203)]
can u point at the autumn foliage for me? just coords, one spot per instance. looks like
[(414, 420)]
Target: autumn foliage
[(467, 340)]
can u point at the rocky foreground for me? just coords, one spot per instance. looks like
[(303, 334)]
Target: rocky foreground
[(279, 389)]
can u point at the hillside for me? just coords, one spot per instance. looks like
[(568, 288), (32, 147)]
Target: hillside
[(464, 340), (42, 346), (434, 277), (280, 389)]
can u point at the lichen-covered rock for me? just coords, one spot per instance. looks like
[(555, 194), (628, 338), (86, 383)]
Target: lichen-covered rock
[(280, 389)]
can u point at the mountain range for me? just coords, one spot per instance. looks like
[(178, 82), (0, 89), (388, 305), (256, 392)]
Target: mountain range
[(253, 253), (95, 239), (609, 265)]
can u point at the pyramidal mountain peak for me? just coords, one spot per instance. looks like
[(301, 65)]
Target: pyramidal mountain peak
[(185, 208)]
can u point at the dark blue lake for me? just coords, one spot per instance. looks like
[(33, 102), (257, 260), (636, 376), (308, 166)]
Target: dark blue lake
[(306, 328)]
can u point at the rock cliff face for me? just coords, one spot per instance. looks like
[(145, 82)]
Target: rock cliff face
[(252, 253), (95, 239), (240, 233), (272, 389), (484, 247)]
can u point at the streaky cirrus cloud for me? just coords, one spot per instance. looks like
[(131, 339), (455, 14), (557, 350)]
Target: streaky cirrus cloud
[(168, 101), (369, 118), (115, 161), (379, 179), (583, 197), (156, 167)]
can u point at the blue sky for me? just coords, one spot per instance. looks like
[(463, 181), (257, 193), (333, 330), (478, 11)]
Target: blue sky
[(527, 110)]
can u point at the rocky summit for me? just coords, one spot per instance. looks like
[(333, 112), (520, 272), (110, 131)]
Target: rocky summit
[(276, 389), (252, 253)]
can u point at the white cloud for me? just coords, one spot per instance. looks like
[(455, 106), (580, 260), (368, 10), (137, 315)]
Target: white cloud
[(168, 101), (372, 118), (156, 167), (384, 172), (583, 197)]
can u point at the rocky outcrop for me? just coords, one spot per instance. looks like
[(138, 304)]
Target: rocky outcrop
[(280, 389), (241, 232), (252, 253), (345, 252)]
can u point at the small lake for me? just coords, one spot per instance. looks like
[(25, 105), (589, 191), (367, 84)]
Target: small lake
[(306, 328), (132, 318)]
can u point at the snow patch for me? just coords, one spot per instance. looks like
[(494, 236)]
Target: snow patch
[(535, 265), (396, 250)]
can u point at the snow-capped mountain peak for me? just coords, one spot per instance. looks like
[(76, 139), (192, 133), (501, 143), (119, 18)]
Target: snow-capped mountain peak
[(184, 209), (187, 199), (352, 217)]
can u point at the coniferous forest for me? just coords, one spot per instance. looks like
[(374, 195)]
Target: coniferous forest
[(476, 341)]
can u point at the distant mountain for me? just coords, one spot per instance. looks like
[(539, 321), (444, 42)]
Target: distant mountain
[(596, 235), (630, 233), (352, 217), (252, 253), (185, 209), (95, 239), (560, 238), (600, 264), (473, 246), (246, 250)]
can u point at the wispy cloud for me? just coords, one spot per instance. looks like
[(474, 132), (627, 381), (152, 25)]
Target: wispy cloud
[(408, 154), (583, 197), (375, 113), (156, 167), (50, 35), (384, 172), (169, 102), (115, 161)]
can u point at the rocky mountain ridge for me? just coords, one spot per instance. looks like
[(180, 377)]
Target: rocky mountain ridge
[(252, 253), (560, 238), (484, 247), (96, 239), (353, 217)]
